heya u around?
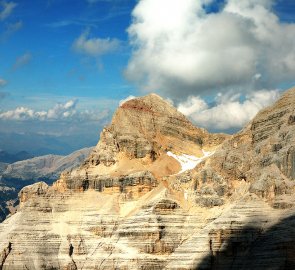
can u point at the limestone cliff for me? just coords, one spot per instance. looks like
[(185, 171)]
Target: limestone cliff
[(261, 157), (159, 193)]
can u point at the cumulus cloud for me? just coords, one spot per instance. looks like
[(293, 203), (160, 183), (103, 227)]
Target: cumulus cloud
[(6, 9), (181, 50), (229, 111), (60, 112), (192, 105), (95, 46), (2, 82), (20, 113), (22, 60)]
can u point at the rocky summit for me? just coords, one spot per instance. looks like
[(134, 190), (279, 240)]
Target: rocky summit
[(159, 193)]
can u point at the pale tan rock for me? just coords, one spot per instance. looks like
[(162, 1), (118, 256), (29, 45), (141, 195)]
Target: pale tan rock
[(234, 210)]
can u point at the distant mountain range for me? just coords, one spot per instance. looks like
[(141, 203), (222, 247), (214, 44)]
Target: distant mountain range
[(6, 157), (42, 144), (14, 176)]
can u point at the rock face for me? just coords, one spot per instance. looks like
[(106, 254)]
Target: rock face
[(13, 177), (142, 131), (261, 156), (159, 193)]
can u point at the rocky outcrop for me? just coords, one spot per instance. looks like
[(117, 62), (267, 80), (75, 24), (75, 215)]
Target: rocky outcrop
[(130, 186), (147, 199), (261, 156), (32, 191)]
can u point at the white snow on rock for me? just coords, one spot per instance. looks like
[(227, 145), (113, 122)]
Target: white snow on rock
[(188, 162)]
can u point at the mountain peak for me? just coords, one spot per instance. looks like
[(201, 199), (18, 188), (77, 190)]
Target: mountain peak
[(144, 135), (151, 103)]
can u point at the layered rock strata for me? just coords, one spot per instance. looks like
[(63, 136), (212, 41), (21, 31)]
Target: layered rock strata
[(260, 157), (138, 202)]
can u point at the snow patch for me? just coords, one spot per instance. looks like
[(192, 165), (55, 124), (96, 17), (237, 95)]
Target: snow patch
[(188, 162)]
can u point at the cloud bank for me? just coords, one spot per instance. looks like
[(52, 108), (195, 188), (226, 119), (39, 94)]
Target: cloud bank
[(228, 112), (181, 50), (60, 112)]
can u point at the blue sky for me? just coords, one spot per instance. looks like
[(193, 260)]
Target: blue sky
[(48, 31), (72, 61)]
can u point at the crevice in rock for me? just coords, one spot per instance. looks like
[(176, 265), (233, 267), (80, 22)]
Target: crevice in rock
[(73, 265), (71, 250), (85, 184), (211, 254), (161, 231), (5, 254)]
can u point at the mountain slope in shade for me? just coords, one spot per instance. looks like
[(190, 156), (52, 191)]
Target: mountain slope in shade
[(158, 193), (13, 177), (44, 144), (5, 157)]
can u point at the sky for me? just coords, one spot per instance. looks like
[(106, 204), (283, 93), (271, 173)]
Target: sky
[(65, 65)]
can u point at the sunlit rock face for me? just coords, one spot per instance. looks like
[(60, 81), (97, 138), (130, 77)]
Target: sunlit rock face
[(132, 156), (159, 193), (261, 156)]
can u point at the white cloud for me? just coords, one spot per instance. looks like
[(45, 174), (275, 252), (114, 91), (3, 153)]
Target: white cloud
[(22, 60), (192, 105), (180, 50), (95, 46), (121, 102), (7, 9), (61, 111), (20, 113), (229, 112), (2, 82)]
